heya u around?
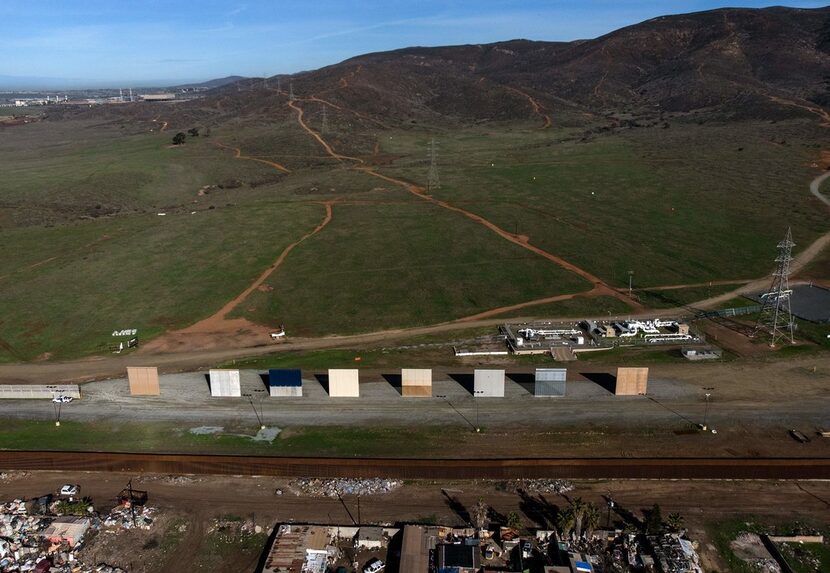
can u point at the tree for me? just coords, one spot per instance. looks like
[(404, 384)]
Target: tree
[(654, 520), (579, 508), (480, 514), (514, 520), (565, 522), (675, 522), (592, 518), (179, 138), (193, 131)]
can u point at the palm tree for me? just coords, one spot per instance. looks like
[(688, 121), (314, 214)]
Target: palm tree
[(480, 514), (565, 522), (514, 520), (578, 506), (592, 518), (675, 522)]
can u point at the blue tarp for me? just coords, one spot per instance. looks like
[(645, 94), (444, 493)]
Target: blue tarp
[(285, 377)]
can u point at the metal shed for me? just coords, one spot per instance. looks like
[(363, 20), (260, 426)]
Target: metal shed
[(416, 382), (224, 383), (285, 382), (631, 381), (550, 382), (488, 383), (344, 383), (144, 380)]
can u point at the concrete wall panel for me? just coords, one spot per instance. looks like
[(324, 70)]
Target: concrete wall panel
[(488, 383), (144, 380), (344, 383)]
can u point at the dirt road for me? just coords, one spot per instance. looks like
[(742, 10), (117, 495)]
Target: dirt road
[(815, 188), (537, 108)]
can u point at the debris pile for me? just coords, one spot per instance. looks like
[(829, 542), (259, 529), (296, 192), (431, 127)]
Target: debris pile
[(544, 485), (343, 486), (34, 538), (121, 517)]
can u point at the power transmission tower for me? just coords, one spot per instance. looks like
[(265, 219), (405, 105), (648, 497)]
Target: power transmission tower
[(432, 176), (290, 90), (279, 85), (776, 315), (324, 126), (265, 81)]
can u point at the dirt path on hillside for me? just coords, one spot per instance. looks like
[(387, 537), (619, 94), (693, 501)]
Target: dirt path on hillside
[(347, 110), (238, 155), (594, 292), (821, 113), (163, 123), (537, 108), (692, 285), (317, 136), (214, 328), (815, 188)]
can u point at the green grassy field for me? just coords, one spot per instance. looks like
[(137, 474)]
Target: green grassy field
[(86, 253), (686, 204)]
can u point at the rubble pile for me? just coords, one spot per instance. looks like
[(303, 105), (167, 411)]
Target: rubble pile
[(343, 486), (121, 517), (11, 476), (27, 542), (544, 485)]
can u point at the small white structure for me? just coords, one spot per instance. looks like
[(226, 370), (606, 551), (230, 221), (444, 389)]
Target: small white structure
[(488, 383), (344, 383), (225, 383), (369, 538), (39, 391)]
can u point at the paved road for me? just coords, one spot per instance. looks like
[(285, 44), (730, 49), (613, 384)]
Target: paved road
[(816, 185)]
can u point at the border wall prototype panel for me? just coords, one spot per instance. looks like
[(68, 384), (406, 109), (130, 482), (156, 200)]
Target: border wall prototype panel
[(488, 383), (285, 382), (225, 383), (38, 391), (631, 381), (550, 382), (144, 380), (416, 382), (344, 383)]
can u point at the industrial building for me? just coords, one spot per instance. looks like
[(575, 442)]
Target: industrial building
[(144, 380), (344, 383), (550, 382), (416, 382), (38, 391), (225, 383), (488, 383), (285, 382), (631, 381)]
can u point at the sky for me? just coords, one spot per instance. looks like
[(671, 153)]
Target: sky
[(121, 43)]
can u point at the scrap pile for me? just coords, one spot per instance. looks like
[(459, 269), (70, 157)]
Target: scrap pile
[(34, 538), (343, 486), (556, 486)]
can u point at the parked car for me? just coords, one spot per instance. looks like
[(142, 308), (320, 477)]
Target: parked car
[(374, 566), (70, 490), (62, 399)]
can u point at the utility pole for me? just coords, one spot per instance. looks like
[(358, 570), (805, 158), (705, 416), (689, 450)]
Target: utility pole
[(630, 282), (706, 412), (432, 176), (776, 315), (324, 126)]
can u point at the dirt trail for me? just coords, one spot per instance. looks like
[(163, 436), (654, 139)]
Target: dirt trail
[(823, 114), (694, 285), (537, 108), (341, 108), (163, 123), (503, 309), (238, 155), (815, 188), (319, 139)]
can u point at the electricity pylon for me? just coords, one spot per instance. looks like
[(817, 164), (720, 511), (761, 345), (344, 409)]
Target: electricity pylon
[(776, 316)]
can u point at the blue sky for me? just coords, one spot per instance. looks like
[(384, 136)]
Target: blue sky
[(133, 42)]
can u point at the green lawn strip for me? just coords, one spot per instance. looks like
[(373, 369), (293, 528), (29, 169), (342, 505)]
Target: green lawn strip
[(172, 438)]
